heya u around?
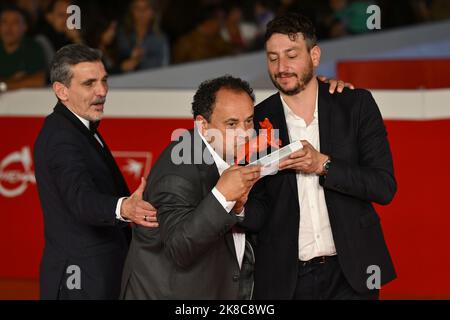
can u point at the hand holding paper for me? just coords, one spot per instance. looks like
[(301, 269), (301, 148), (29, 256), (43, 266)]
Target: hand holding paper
[(270, 164), (306, 160), (236, 181)]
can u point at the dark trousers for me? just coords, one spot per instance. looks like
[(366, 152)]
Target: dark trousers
[(322, 279)]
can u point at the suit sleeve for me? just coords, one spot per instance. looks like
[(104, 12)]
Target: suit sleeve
[(188, 226), (372, 179), (75, 183)]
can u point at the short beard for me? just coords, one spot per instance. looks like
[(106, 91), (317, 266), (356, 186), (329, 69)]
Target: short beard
[(301, 85), (97, 118)]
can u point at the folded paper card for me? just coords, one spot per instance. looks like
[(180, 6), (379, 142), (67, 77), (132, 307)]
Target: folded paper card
[(270, 163)]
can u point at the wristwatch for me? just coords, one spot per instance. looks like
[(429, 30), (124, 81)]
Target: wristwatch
[(326, 166)]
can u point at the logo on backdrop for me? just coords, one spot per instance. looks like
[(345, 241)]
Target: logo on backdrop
[(16, 173), (133, 164)]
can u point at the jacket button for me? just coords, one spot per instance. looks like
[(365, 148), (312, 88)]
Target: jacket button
[(235, 278)]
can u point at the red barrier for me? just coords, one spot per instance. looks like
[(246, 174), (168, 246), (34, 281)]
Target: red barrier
[(134, 144), (415, 224), (396, 74)]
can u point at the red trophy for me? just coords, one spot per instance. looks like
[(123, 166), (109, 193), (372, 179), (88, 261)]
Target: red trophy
[(259, 143)]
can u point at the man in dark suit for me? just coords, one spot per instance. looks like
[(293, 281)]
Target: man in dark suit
[(197, 252), (319, 236), (83, 194)]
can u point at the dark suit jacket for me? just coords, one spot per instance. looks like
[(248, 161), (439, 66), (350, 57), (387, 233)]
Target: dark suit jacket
[(353, 134), (191, 255), (79, 185)]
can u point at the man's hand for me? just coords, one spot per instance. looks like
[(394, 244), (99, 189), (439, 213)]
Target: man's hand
[(240, 203), (236, 181), (306, 160), (137, 210), (336, 84)]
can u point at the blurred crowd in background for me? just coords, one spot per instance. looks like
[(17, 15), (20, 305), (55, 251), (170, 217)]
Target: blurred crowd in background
[(143, 34)]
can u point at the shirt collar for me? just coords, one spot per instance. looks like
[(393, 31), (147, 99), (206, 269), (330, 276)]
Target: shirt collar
[(218, 160), (83, 121), (290, 113)]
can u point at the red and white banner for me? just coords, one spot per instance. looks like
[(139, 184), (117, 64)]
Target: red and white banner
[(415, 224)]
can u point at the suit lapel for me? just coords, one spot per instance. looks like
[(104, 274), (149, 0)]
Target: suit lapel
[(325, 105), (210, 175), (208, 170), (104, 151), (66, 113), (117, 174), (278, 119), (231, 246)]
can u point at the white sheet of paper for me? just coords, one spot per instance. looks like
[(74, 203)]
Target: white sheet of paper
[(270, 163)]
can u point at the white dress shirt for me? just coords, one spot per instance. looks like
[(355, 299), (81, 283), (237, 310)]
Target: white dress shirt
[(315, 234), (119, 202), (238, 237)]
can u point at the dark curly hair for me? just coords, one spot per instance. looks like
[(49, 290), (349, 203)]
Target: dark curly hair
[(291, 24), (205, 97)]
